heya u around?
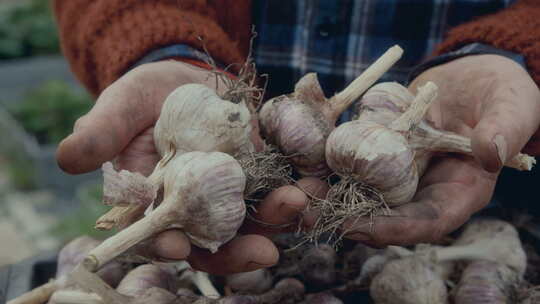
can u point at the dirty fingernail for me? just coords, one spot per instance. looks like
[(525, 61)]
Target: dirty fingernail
[(501, 146)]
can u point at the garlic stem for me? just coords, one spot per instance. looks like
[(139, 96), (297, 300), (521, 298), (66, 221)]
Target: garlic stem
[(203, 283), (37, 295), (127, 238), (416, 112), (481, 250), (343, 100), (425, 137), (75, 297), (199, 279), (95, 284)]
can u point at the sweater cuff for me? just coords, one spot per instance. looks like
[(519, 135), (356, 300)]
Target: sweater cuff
[(515, 29), (120, 44)]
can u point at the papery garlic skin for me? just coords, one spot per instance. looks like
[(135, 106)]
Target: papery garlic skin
[(195, 118), (289, 124), (384, 103), (299, 124), (210, 187), (409, 280), (376, 156), (142, 278)]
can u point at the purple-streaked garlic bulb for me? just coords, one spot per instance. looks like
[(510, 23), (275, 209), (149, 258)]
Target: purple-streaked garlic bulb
[(195, 118), (203, 196), (485, 282), (252, 282), (379, 155), (318, 266), (321, 298), (75, 251), (386, 101), (144, 277), (299, 123)]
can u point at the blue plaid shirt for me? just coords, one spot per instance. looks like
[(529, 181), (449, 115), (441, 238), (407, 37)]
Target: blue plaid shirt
[(338, 39)]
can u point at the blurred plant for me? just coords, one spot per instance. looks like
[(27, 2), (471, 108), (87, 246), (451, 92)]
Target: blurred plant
[(81, 222), (50, 111), (28, 29)]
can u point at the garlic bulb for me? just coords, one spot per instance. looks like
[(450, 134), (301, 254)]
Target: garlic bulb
[(380, 155), (485, 282), (385, 102), (139, 280), (203, 196), (408, 280), (195, 118), (299, 123), (508, 249)]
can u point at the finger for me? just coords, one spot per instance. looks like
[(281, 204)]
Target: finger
[(452, 190), (314, 188), (140, 155), (507, 123), (171, 245), (279, 211), (242, 254), (120, 113)]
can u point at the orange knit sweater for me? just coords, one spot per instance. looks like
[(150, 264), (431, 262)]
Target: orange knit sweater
[(103, 38)]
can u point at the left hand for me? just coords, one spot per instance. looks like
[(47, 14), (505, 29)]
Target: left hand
[(488, 98)]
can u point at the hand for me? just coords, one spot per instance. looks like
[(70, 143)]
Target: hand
[(488, 98), (120, 127)]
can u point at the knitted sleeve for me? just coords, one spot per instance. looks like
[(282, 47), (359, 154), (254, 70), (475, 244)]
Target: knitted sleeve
[(516, 29), (102, 38)]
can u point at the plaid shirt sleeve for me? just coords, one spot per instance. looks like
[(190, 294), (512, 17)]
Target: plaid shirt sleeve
[(339, 39)]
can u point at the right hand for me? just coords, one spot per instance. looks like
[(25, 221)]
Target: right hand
[(120, 127)]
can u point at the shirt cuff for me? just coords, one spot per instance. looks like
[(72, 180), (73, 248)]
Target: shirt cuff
[(176, 50)]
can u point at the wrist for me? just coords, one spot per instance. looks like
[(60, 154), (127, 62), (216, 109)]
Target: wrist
[(470, 49)]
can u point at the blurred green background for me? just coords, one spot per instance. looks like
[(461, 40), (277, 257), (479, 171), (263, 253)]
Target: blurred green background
[(40, 206)]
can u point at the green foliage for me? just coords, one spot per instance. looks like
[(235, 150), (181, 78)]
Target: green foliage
[(50, 111), (22, 174), (83, 220), (28, 29)]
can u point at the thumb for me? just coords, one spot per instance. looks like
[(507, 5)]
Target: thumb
[(117, 117), (506, 125)]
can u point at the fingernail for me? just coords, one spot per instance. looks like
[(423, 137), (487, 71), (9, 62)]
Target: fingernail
[(500, 145), (254, 265), (290, 209)]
